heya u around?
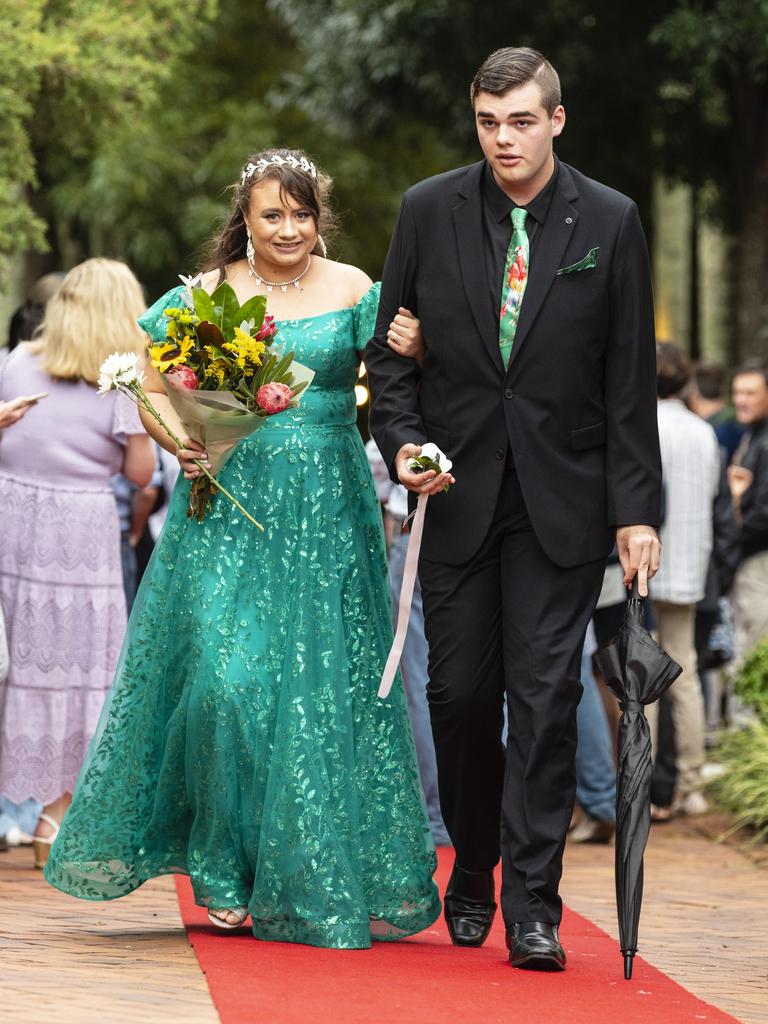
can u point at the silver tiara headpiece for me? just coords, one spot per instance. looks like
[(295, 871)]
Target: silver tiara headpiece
[(263, 164)]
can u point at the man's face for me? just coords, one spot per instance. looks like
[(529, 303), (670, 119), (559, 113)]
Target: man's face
[(516, 134), (750, 397)]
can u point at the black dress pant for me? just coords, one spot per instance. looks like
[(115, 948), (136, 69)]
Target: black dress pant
[(510, 622)]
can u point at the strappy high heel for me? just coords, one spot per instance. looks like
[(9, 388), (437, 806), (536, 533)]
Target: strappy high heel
[(242, 913), (42, 844)]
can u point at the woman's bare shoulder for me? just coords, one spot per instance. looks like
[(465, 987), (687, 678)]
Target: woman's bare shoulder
[(352, 280)]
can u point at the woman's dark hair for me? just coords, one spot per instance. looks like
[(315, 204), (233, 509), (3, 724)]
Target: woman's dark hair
[(673, 369), (311, 191), (710, 380)]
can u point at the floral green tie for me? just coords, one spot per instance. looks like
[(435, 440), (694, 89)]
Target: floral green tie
[(513, 285)]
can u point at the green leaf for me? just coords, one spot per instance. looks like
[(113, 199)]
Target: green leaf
[(300, 387), (263, 377), (283, 365), (255, 309), (227, 308), (203, 304)]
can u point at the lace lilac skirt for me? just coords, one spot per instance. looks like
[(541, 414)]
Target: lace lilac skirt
[(62, 596)]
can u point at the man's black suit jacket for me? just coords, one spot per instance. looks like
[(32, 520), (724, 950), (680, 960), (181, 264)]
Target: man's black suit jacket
[(576, 407)]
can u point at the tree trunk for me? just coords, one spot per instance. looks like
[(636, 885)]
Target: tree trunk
[(694, 297), (753, 267), (748, 101)]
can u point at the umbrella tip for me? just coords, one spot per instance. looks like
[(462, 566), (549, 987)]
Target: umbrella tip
[(628, 966)]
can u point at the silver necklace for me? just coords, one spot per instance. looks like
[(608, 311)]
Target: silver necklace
[(282, 285)]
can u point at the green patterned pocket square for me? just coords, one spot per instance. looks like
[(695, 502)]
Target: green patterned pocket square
[(587, 263)]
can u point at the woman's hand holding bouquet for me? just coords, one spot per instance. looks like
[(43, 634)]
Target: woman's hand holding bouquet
[(223, 378)]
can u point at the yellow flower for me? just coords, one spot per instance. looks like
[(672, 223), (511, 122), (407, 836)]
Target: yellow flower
[(166, 355), (245, 349), (215, 372), (242, 336)]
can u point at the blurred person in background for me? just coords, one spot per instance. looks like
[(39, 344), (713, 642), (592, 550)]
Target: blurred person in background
[(748, 482), (12, 411), (394, 501), (595, 762), (134, 507), (690, 461), (714, 634), (60, 575), (17, 821), (27, 318), (706, 395)]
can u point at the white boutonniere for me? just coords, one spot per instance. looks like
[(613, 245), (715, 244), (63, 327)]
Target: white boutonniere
[(430, 458)]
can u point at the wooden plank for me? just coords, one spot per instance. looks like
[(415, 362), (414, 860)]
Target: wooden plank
[(75, 962)]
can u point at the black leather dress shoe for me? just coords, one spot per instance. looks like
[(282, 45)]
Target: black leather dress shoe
[(469, 906), (535, 946)]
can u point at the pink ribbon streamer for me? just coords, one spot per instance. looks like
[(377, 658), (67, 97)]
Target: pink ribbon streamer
[(406, 597)]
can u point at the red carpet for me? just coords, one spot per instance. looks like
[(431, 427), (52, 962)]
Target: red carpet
[(425, 980)]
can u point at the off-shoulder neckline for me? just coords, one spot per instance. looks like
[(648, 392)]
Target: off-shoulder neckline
[(315, 316)]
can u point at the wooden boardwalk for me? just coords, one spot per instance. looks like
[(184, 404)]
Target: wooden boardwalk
[(705, 922), (67, 961)]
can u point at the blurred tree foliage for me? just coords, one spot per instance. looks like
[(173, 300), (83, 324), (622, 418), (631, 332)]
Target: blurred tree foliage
[(719, 73), (74, 73), (371, 67), (21, 56), (134, 115), (678, 87)]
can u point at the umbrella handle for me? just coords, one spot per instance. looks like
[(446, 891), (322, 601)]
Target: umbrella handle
[(634, 593)]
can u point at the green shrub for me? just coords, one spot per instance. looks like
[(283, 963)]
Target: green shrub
[(743, 789), (751, 683)]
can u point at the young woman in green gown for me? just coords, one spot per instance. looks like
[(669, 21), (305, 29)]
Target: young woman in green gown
[(243, 742)]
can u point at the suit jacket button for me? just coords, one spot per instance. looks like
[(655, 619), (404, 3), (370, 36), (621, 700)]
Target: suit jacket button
[(509, 393), (500, 453)]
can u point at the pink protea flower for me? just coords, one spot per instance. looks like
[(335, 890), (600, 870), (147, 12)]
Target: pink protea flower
[(274, 397), (268, 329), (184, 378)]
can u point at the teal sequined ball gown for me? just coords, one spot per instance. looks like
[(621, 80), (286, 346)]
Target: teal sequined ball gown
[(242, 742)]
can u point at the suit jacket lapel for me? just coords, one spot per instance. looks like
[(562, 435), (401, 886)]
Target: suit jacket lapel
[(468, 223), (556, 232)]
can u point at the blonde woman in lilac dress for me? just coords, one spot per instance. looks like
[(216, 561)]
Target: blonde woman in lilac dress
[(60, 574)]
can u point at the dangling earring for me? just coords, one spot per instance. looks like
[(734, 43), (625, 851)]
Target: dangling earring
[(323, 246), (249, 255)]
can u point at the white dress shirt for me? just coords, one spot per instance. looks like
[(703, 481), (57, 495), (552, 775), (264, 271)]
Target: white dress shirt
[(690, 461)]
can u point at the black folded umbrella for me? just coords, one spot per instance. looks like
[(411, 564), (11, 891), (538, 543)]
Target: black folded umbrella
[(638, 671)]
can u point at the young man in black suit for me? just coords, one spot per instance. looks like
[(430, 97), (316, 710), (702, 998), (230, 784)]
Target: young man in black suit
[(533, 289)]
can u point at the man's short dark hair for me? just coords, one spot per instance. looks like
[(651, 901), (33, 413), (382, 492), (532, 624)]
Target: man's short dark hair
[(673, 369), (755, 365), (710, 380), (511, 66)]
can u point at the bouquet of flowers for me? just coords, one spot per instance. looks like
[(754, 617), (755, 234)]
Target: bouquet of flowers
[(223, 374), (120, 372)]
